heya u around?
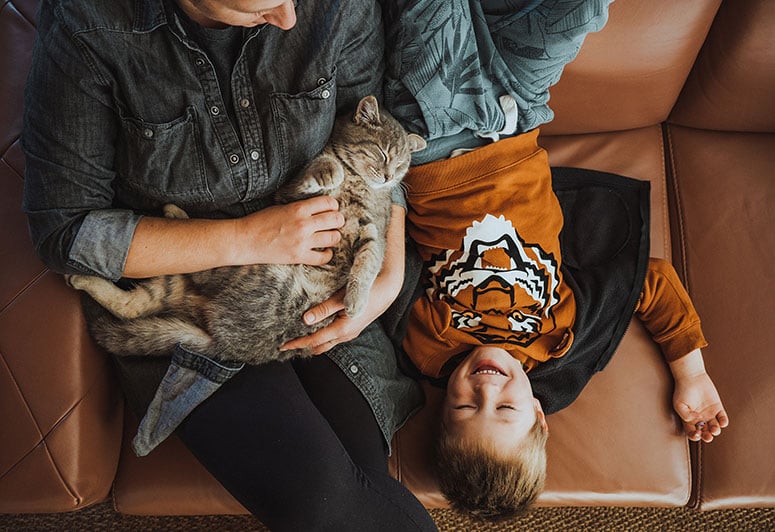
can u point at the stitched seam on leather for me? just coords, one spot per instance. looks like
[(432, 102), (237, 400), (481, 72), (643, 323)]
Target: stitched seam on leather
[(397, 452), (29, 412), (21, 291), (44, 441), (11, 144), (62, 418), (666, 238), (18, 12), (679, 210)]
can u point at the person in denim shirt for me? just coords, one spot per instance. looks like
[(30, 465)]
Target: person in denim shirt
[(211, 105)]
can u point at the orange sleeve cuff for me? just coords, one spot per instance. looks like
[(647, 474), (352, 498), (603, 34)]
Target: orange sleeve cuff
[(668, 313)]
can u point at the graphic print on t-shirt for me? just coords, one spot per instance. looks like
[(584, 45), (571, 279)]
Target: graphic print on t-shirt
[(499, 289)]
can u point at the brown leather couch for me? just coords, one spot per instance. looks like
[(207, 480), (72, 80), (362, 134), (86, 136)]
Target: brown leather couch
[(679, 93)]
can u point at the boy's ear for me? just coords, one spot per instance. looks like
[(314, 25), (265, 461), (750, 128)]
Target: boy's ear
[(416, 142), (540, 414), (367, 112)]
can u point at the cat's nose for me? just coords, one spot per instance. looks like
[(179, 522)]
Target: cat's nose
[(388, 178)]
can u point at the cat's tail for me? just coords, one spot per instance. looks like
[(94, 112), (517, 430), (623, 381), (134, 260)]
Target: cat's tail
[(144, 336)]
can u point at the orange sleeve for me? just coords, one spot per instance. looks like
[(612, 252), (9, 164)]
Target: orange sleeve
[(668, 313)]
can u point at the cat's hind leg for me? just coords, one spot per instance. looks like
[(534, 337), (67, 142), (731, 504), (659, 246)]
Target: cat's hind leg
[(146, 298)]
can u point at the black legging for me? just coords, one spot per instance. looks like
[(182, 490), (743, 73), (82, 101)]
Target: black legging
[(298, 446)]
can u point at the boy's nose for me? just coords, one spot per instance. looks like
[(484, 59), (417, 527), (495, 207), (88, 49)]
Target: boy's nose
[(486, 390)]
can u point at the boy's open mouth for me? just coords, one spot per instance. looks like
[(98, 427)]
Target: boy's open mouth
[(487, 367)]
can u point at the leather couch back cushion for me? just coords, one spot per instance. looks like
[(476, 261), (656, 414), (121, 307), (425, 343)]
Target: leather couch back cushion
[(732, 86), (630, 74)]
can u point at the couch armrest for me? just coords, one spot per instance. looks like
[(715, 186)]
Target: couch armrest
[(60, 408)]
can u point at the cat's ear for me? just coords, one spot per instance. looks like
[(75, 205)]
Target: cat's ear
[(367, 112), (416, 142)]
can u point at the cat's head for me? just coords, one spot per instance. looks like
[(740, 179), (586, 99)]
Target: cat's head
[(380, 149)]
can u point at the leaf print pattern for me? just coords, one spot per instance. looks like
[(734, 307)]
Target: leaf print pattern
[(448, 61)]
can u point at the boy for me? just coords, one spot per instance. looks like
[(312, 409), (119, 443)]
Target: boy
[(496, 294), (515, 330)]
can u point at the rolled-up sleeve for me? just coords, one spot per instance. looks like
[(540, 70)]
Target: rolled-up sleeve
[(70, 129)]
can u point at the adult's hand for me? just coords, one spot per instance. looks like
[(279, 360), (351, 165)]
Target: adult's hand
[(383, 292), (301, 232)]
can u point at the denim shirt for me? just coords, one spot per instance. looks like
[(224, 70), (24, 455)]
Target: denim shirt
[(124, 113)]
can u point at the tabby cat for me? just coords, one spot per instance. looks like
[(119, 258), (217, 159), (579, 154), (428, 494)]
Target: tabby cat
[(245, 313)]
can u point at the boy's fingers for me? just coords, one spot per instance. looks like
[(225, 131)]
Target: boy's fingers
[(723, 419)]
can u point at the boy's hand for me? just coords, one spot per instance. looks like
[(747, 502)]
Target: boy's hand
[(698, 404), (696, 400)]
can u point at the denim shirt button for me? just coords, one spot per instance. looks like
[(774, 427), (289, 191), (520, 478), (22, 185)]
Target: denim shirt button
[(325, 94), (148, 133), (199, 62), (244, 103), (255, 155), (321, 81), (215, 110), (233, 158), (353, 369)]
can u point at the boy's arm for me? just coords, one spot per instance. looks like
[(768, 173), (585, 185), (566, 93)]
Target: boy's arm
[(669, 315)]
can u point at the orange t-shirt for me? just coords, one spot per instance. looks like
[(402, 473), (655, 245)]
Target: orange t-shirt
[(487, 225)]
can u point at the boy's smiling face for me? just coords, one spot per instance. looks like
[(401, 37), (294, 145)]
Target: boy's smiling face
[(489, 397)]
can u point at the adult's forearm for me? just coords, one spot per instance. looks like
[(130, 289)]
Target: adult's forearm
[(163, 246)]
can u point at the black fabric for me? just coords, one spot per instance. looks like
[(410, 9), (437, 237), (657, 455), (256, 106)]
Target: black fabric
[(295, 442), (222, 46), (262, 436), (605, 248)]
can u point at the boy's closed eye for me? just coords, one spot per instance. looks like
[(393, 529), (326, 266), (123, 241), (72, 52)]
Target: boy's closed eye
[(499, 407)]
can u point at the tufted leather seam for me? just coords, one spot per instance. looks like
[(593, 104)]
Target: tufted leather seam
[(29, 410), (666, 237), (397, 453), (697, 481), (44, 437), (18, 11), (5, 161), (681, 229), (22, 290)]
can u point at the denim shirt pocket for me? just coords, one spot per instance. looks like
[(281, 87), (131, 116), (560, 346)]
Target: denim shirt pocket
[(163, 161), (303, 122)]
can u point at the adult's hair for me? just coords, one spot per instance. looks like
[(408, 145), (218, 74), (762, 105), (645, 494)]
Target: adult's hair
[(488, 482)]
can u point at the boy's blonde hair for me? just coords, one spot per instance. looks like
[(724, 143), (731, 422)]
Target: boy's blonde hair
[(488, 482)]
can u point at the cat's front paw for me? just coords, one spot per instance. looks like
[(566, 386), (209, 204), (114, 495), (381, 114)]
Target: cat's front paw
[(79, 282), (174, 212), (324, 173)]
